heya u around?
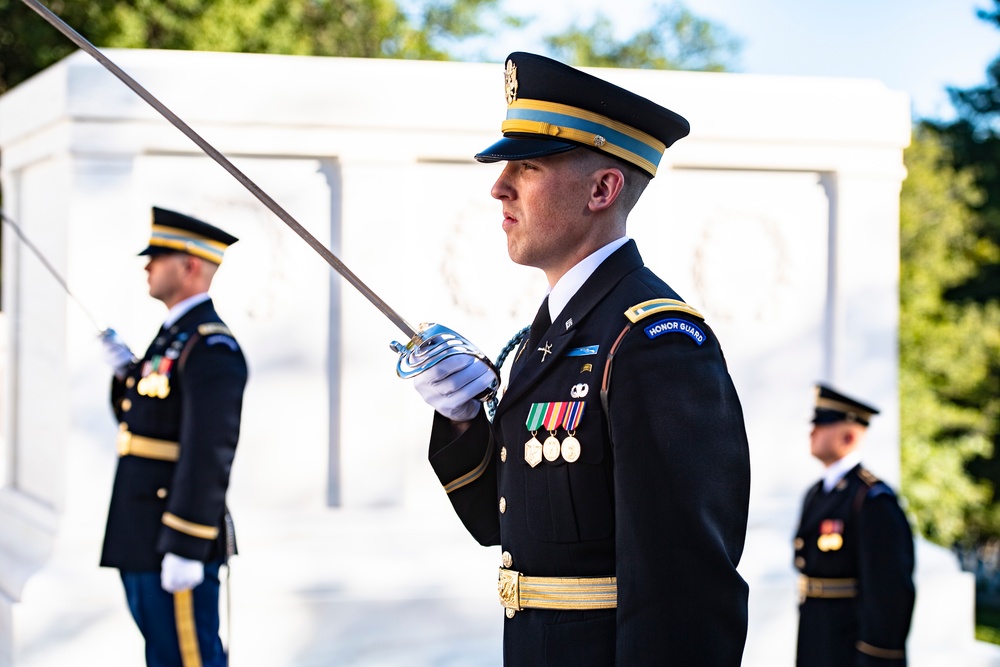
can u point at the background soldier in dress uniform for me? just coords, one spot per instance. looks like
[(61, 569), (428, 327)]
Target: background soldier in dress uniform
[(179, 408), (615, 474), (854, 549)]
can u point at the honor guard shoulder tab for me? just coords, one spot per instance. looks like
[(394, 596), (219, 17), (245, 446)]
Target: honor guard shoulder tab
[(653, 306), (214, 328), (640, 311)]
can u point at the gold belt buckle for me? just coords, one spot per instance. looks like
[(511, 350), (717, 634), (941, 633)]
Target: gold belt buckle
[(509, 588)]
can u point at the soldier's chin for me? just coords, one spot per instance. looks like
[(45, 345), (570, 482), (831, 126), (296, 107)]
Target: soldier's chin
[(517, 254)]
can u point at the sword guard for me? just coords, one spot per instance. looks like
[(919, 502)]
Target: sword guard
[(433, 343)]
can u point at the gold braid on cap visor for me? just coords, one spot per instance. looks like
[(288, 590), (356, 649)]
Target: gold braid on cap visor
[(185, 241), (561, 121)]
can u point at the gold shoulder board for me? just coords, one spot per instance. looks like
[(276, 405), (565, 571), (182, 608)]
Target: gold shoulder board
[(214, 328), (647, 308), (867, 477)]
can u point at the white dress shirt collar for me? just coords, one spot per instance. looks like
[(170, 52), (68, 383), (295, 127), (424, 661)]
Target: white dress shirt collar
[(573, 280), (181, 308), (836, 470)]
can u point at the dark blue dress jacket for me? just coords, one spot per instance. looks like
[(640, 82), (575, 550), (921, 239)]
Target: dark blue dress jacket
[(657, 498)]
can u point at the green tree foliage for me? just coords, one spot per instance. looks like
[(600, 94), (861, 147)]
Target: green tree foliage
[(352, 28), (948, 396), (413, 29), (973, 148), (676, 40), (974, 140), (27, 43)]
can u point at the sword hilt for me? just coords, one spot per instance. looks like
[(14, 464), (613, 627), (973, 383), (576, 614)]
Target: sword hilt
[(433, 343)]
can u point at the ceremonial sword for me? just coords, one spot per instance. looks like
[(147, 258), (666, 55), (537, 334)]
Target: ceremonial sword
[(51, 269), (426, 346)]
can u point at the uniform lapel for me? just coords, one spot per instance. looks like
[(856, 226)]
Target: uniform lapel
[(537, 360)]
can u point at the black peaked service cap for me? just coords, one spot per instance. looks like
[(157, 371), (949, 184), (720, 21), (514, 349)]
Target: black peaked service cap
[(833, 406), (176, 232), (552, 108)]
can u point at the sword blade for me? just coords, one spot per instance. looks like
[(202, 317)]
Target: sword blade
[(51, 269), (211, 151)]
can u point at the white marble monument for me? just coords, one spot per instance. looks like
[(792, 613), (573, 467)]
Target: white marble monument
[(777, 218)]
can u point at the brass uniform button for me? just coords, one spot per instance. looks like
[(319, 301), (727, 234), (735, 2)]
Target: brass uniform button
[(503, 504), (130, 382), (507, 559), (800, 562), (161, 493), (126, 405), (503, 454), (798, 543), (509, 613)]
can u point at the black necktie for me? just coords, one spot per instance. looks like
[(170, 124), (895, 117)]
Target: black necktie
[(538, 328), (541, 322)]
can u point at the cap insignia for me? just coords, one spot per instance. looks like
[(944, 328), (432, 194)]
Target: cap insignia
[(599, 140), (510, 81)]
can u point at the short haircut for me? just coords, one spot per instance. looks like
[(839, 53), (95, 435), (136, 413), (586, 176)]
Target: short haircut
[(636, 179)]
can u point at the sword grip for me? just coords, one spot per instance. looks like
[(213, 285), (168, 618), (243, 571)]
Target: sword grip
[(431, 344)]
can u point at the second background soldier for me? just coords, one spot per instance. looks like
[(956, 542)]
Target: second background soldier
[(854, 549), (179, 412)]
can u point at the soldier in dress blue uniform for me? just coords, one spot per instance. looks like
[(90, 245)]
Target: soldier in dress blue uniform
[(853, 548), (615, 474), (178, 408)]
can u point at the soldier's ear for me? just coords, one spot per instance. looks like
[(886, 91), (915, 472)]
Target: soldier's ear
[(607, 185), (192, 264)]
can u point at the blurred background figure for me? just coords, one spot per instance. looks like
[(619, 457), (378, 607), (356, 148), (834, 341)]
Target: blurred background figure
[(854, 550), (178, 408)]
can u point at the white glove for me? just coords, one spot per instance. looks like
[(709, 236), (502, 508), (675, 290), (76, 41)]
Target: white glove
[(452, 385), (116, 353), (180, 574)]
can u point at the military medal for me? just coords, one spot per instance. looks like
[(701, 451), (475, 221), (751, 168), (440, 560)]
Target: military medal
[(533, 448), (554, 414), (551, 448), (155, 380), (570, 445), (831, 536), (570, 449), (533, 451)]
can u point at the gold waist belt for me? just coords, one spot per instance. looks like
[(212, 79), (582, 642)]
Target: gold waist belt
[(147, 448), (518, 592), (814, 587)]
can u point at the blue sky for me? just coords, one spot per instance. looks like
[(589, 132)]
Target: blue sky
[(917, 46)]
